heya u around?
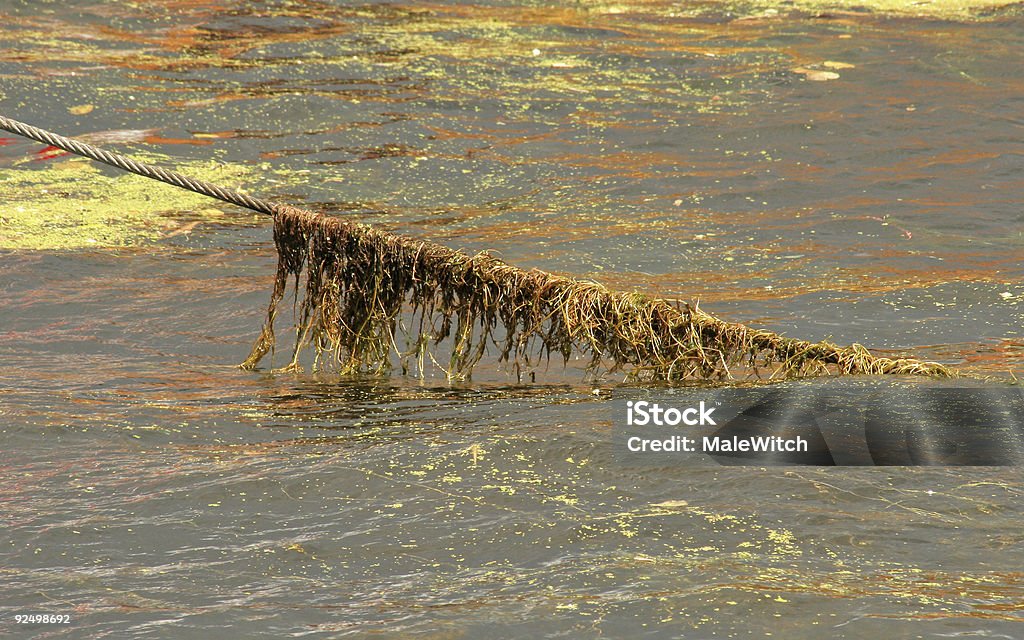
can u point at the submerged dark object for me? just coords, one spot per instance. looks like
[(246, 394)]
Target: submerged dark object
[(358, 281)]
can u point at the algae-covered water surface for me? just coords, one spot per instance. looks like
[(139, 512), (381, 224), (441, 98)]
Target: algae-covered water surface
[(847, 171)]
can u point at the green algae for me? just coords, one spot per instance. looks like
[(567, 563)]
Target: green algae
[(76, 204)]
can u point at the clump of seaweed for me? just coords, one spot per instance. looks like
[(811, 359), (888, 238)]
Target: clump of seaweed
[(362, 286)]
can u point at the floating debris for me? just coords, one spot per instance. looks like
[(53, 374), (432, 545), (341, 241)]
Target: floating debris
[(361, 283), (816, 75)]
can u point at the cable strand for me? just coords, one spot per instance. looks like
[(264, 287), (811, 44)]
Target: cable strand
[(134, 166)]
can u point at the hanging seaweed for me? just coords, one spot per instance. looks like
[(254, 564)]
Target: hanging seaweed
[(365, 292)]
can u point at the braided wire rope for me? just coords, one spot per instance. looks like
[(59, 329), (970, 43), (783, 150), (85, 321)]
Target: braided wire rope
[(141, 168)]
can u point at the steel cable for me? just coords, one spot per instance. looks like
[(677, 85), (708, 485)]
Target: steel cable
[(134, 166)]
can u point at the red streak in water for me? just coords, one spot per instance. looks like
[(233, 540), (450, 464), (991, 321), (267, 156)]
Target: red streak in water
[(48, 153)]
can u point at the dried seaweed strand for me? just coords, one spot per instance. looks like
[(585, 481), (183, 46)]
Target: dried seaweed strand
[(358, 281)]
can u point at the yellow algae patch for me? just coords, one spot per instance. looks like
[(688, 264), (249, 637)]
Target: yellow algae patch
[(624, 14), (944, 9), (75, 204)]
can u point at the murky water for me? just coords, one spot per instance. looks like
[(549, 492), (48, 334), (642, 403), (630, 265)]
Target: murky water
[(151, 489)]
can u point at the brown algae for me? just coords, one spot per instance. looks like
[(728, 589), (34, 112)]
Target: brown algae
[(358, 282)]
